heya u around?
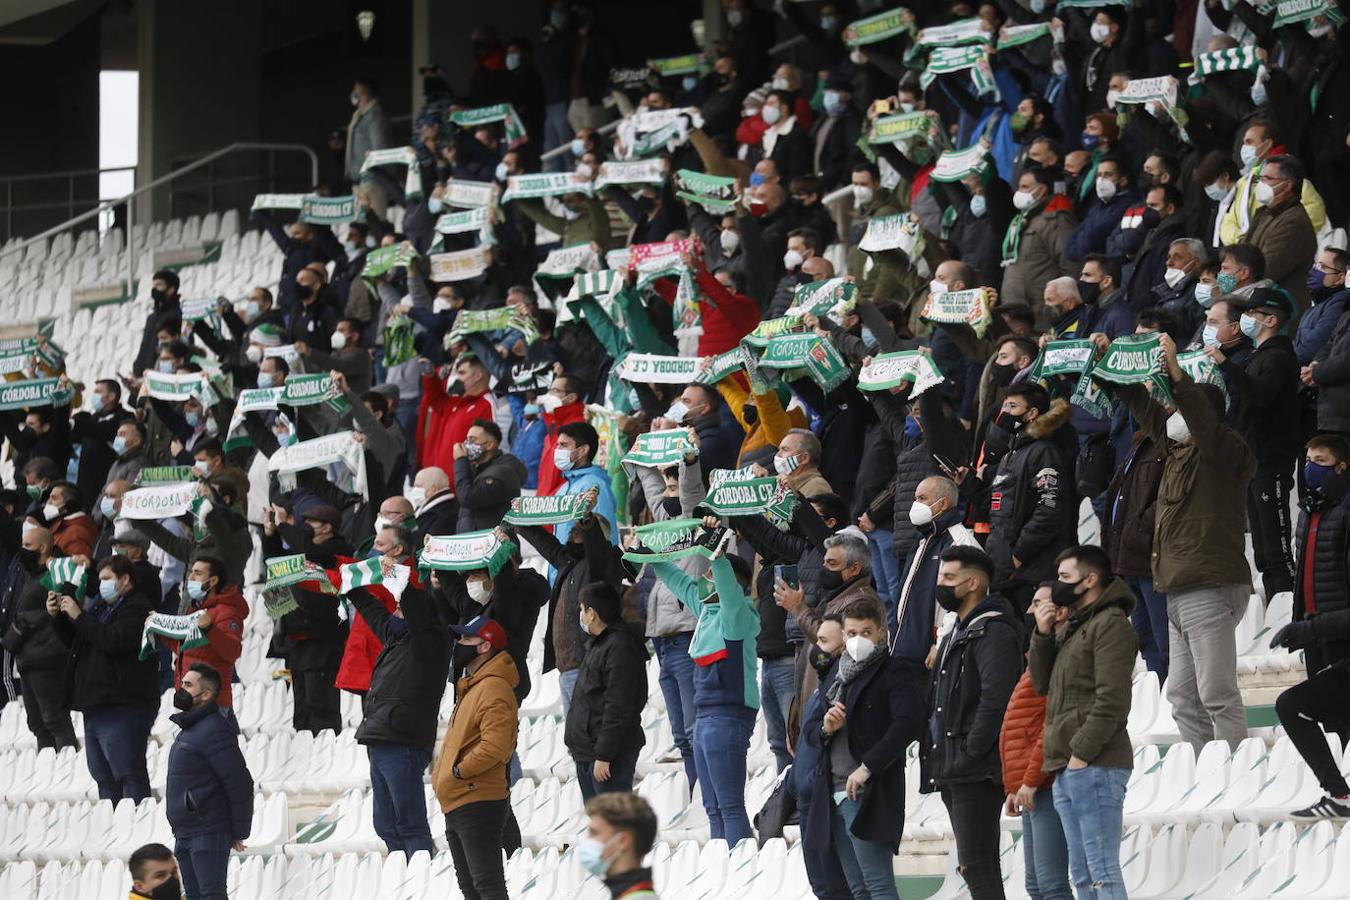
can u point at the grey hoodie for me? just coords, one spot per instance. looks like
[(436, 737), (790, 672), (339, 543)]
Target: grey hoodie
[(666, 615)]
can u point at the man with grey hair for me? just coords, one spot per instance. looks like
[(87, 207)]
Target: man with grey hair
[(937, 517), (1070, 317), (1176, 293), (798, 463)]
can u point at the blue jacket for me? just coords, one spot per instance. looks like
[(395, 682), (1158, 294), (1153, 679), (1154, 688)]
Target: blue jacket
[(209, 789), (806, 764), (914, 616), (1101, 219), (528, 444), (579, 481), (1317, 324)]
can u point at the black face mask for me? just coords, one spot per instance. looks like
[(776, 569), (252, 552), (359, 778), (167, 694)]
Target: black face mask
[(182, 700), (1063, 593), (462, 655), (646, 204), (169, 890), (158, 296), (456, 389), (1150, 218), (830, 580), (672, 506), (720, 80), (946, 597), (821, 661), (28, 559), (1007, 421), (303, 291), (1089, 291), (1003, 373)]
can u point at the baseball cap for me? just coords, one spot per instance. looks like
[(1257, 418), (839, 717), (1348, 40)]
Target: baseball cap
[(1265, 298), (323, 513), (485, 628)]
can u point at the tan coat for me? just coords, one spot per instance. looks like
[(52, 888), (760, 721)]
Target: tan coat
[(481, 736)]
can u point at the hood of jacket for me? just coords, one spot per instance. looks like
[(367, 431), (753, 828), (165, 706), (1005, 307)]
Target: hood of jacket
[(1055, 418), (1117, 593), (186, 720), (500, 666)]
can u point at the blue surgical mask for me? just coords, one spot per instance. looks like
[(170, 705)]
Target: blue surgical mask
[(689, 82), (756, 179), (834, 104), (1204, 294), (1248, 325), (166, 366), (1215, 191), (108, 507), (1248, 155), (264, 379), (578, 146), (591, 855), (829, 23), (1227, 283), (193, 418), (107, 589), (977, 205), (196, 590), (1209, 336), (119, 445), (96, 402), (868, 337), (512, 61), (434, 206), (531, 409)]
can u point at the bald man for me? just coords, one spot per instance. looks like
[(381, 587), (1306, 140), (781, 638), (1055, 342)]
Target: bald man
[(41, 656), (435, 505)]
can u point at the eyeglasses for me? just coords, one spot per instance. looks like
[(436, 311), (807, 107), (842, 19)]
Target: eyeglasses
[(1328, 270)]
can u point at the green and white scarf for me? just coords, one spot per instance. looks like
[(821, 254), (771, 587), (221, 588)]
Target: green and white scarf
[(1012, 238), (1088, 395), (466, 552), (383, 259), (183, 629), (880, 27), (673, 540), (398, 340), (463, 222), (713, 192), (1136, 359), (165, 475), (689, 64), (1204, 370), (279, 201), (752, 496), (833, 297), (635, 171), (902, 231), (177, 388), (963, 31), (161, 501), (368, 572), (559, 269), (1234, 59), (601, 284), (724, 365), (1161, 90), (501, 318), (648, 133), (18, 355), (395, 156), (550, 510), (467, 194), (484, 115), (1063, 358), (318, 210), (547, 184), (959, 308), (1291, 12), (659, 449), (899, 127), (809, 352), (311, 390), (64, 570), (954, 165), (655, 368), (1089, 4), (460, 265), (948, 60), (1018, 35), (33, 392), (768, 329), (894, 369), (284, 574), (318, 453)]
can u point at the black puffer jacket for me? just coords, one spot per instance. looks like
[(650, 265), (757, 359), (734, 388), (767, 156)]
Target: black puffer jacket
[(518, 593), (208, 789), (1033, 505), (1331, 374), (977, 667), (1331, 577), (1268, 416), (604, 718), (105, 666), (410, 673), (42, 650)]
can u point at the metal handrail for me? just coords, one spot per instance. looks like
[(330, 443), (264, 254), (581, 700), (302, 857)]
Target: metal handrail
[(108, 205)]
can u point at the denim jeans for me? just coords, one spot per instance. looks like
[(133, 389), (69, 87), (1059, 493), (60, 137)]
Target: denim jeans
[(777, 687), (885, 569), (974, 809), (866, 864), (1089, 802), (398, 802), (720, 747), (556, 133), (567, 682), (114, 747), (204, 864), (1046, 851), (1202, 680), (1150, 624), (474, 832), (621, 773), (823, 869), (677, 686)]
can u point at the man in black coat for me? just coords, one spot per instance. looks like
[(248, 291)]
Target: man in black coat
[(41, 655), (512, 598), (604, 722), (107, 680), (94, 432), (860, 734), (42, 432), (300, 244), (401, 709), (165, 315), (976, 668), (434, 502), (208, 794), (487, 478), (700, 407)]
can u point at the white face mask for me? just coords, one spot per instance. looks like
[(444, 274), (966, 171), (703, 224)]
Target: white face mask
[(478, 592), (1177, 429), (1174, 277), (550, 402), (730, 240), (1215, 191), (779, 83), (1248, 155), (1100, 31), (253, 354), (1204, 294), (792, 259), (440, 305), (51, 513), (785, 465), (920, 514), (677, 411), (1023, 200), (859, 647), (1106, 189), (862, 195), (906, 107), (417, 497), (936, 288), (381, 523), (562, 459), (1263, 193), (1112, 96), (339, 340), (581, 620), (771, 115)]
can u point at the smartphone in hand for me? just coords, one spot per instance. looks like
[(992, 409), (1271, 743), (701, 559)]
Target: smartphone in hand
[(788, 575)]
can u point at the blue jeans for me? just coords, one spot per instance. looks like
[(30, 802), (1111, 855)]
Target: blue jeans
[(114, 748), (1089, 802), (621, 773), (777, 687), (398, 803), (1046, 851), (823, 870), (720, 747), (1150, 623), (204, 864), (567, 682), (866, 864), (677, 686), (885, 569)]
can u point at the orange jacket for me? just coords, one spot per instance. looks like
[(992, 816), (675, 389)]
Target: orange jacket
[(1019, 743), (224, 641), (76, 535), (481, 736)]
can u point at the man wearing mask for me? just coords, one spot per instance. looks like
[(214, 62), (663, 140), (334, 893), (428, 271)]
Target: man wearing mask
[(1268, 418), (1148, 272), (368, 130), (40, 655), (1199, 549), (873, 712), (936, 515), (1176, 293), (1071, 317), (700, 407), (1084, 673), (1260, 145), (154, 874), (434, 502), (166, 314), (1321, 622), (1327, 298), (399, 713), (574, 456), (469, 776), (208, 795), (1099, 286), (72, 528), (1033, 247), (450, 406), (1222, 337), (221, 610), (312, 634), (40, 433), (106, 679), (301, 245), (396, 543), (315, 320), (975, 670), (1281, 229), (347, 356), (584, 219), (802, 244), (93, 432), (620, 832), (835, 136), (1114, 195), (487, 479)]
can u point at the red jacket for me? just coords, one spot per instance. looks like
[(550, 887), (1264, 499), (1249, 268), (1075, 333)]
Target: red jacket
[(443, 420), (550, 479), (76, 535), (363, 647), (1019, 743), (729, 316), (224, 641)]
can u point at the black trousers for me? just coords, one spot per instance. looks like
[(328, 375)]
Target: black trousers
[(1272, 530), (474, 832), (974, 810), (43, 701), (1324, 698), (318, 703)]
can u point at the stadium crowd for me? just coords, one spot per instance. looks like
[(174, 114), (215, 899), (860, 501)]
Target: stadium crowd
[(801, 378)]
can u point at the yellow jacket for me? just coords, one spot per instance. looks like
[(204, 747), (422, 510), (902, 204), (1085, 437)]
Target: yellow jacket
[(773, 422), (481, 736), (1237, 222)]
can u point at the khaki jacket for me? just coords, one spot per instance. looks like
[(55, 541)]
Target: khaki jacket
[(481, 737)]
